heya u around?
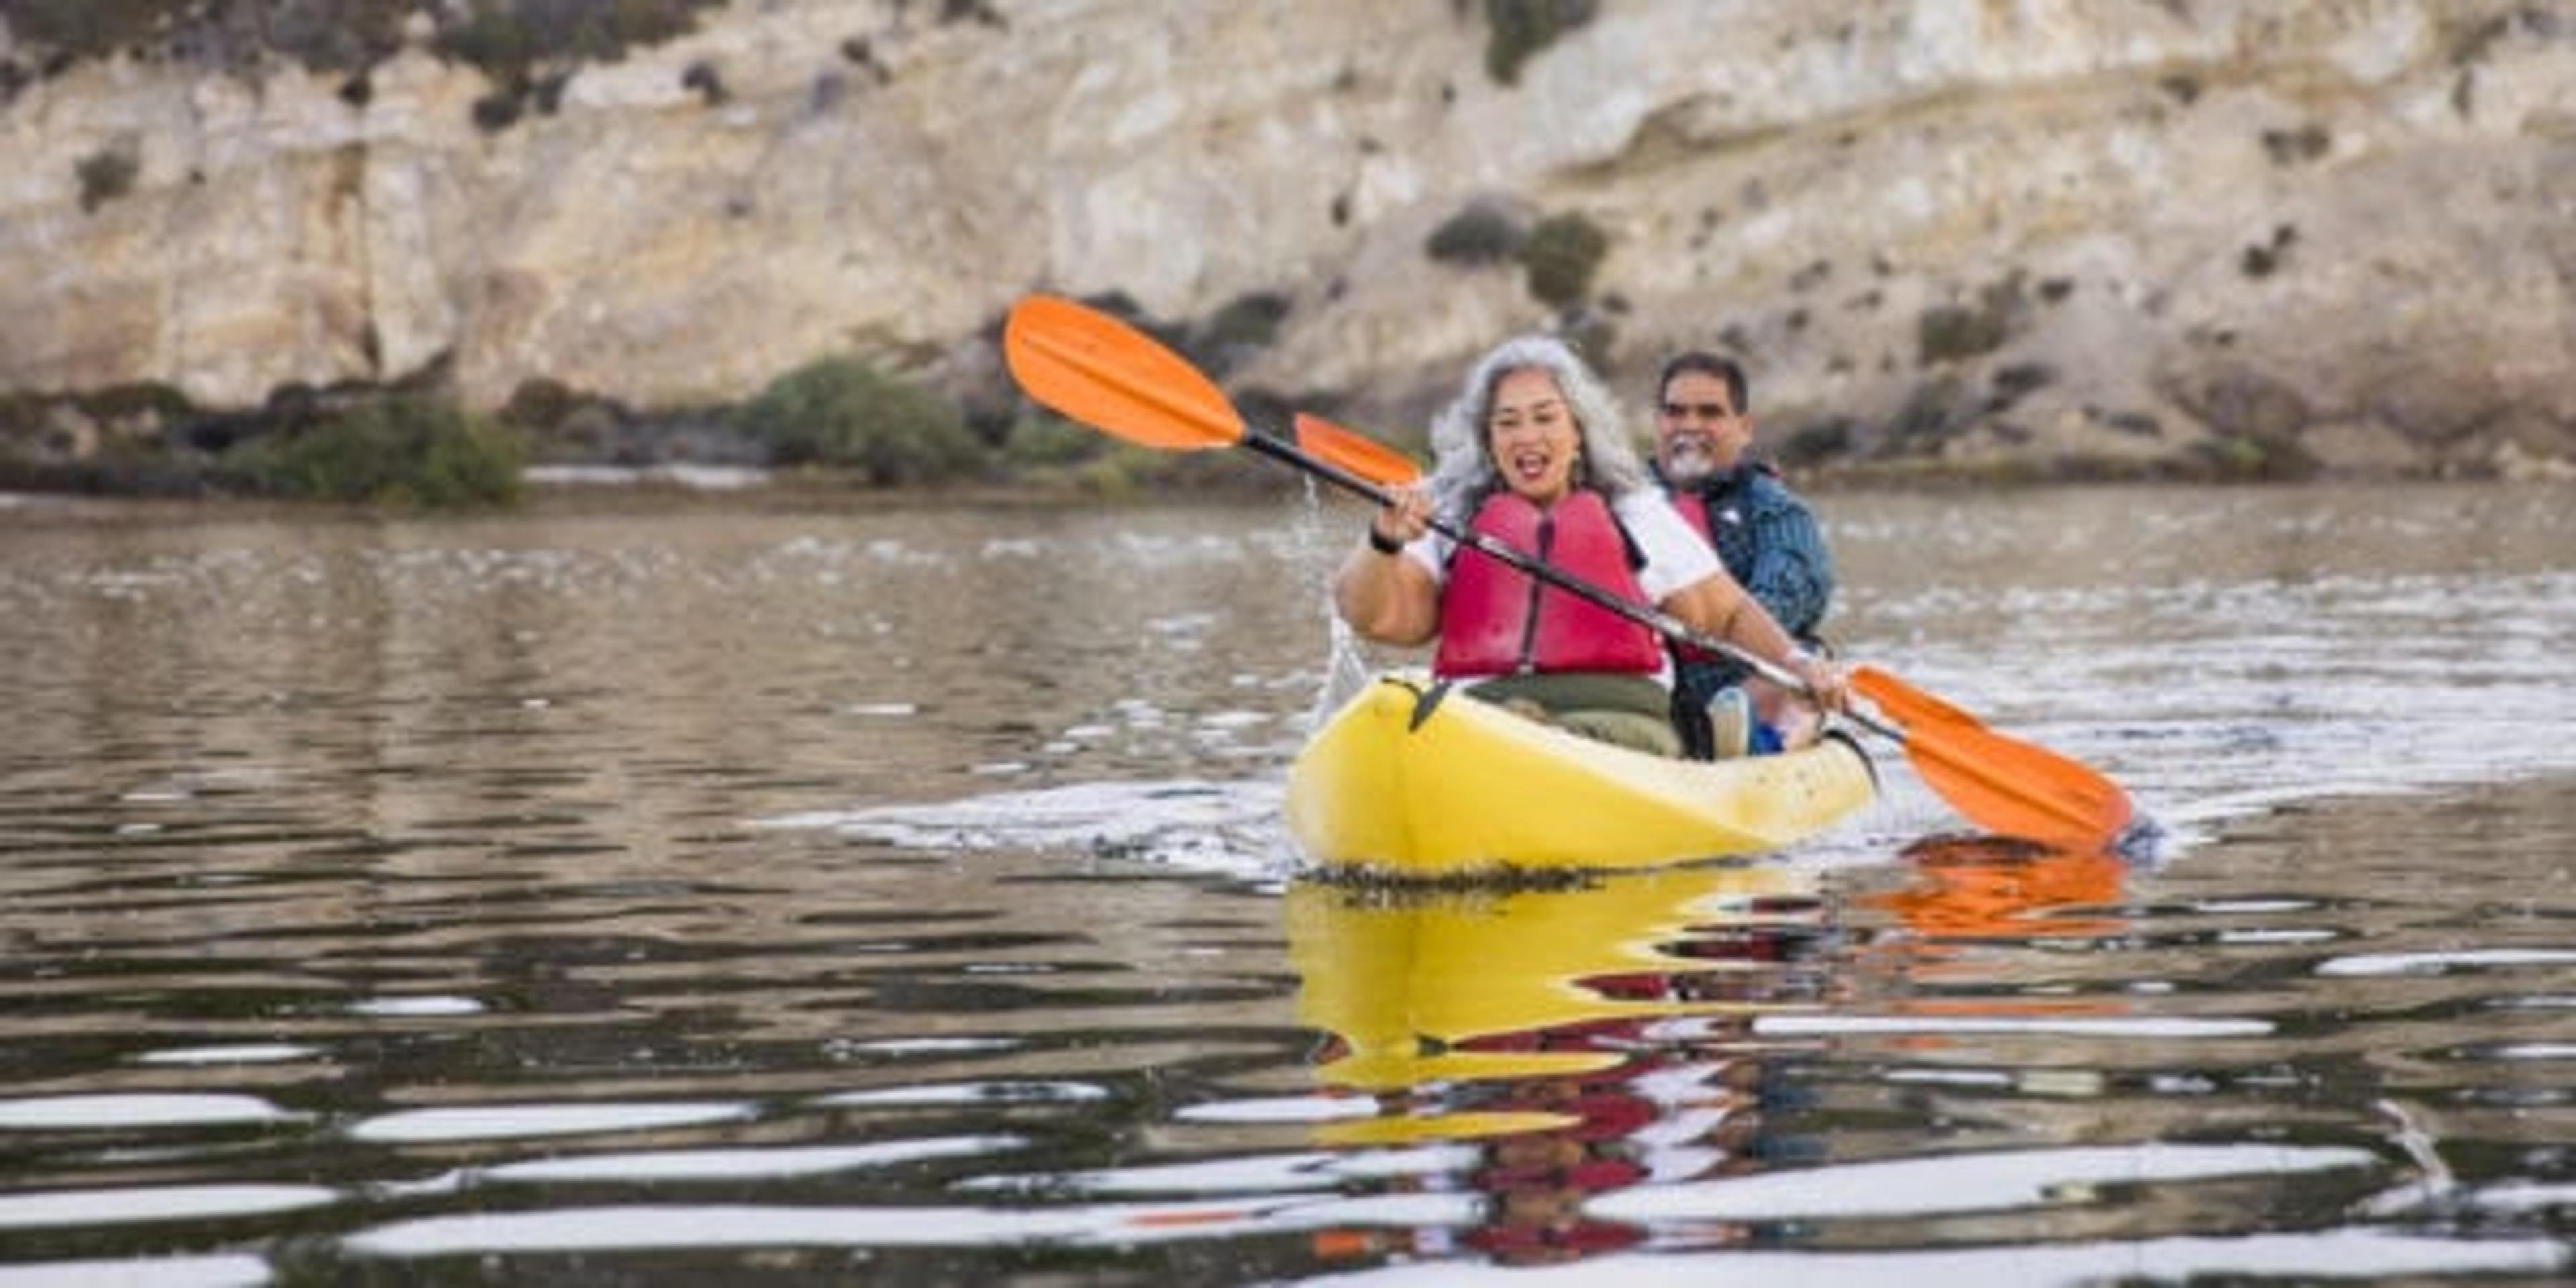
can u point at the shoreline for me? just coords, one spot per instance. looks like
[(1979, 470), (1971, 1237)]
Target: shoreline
[(609, 490)]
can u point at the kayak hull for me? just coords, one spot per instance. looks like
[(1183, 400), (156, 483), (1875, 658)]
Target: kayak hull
[(1419, 780)]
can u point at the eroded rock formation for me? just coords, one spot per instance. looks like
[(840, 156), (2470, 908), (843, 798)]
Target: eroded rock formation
[(1982, 233)]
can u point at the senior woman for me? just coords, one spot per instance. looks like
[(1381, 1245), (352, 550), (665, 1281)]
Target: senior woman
[(1532, 453)]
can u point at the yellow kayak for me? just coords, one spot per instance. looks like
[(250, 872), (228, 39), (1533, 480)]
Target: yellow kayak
[(1419, 781)]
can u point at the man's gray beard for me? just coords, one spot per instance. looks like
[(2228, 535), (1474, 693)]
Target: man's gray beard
[(1688, 465)]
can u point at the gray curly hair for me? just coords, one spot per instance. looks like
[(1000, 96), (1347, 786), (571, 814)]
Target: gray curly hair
[(1464, 474)]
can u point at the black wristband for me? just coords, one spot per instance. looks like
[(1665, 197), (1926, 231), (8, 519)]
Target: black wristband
[(1382, 543)]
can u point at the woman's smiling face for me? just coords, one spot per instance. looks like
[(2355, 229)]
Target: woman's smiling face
[(1532, 436)]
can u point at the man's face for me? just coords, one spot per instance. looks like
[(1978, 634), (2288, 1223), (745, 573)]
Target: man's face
[(1699, 431)]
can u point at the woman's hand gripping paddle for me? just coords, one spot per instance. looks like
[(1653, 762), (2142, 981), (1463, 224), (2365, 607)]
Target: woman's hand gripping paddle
[(1097, 370)]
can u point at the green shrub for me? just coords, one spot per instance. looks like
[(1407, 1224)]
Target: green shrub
[(1563, 253), (1820, 441), (1044, 440), (541, 403), (105, 175), (491, 39), (145, 399), (407, 450), (840, 411), (1251, 319), (1946, 332), (971, 11), (507, 37), (85, 27), (1595, 335), (1521, 28), (520, 44), (2248, 457), (1483, 233), (1238, 332), (1049, 453)]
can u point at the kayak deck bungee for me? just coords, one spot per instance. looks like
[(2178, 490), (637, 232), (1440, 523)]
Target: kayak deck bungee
[(1419, 780)]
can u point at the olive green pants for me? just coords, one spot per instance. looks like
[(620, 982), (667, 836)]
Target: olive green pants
[(1629, 711)]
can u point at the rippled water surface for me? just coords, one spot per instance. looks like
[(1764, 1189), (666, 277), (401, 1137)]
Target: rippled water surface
[(725, 894)]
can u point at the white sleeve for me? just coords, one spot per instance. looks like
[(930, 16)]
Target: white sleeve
[(1430, 552), (1676, 556)]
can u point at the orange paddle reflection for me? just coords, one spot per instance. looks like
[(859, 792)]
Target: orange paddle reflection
[(1987, 887)]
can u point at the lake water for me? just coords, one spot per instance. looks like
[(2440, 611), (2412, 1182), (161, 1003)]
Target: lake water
[(899, 894)]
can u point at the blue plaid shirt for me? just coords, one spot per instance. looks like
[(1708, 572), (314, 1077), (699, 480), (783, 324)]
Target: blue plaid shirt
[(1770, 542)]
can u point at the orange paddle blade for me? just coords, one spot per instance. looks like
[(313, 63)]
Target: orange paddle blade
[(2000, 784), (1354, 451), (1100, 371)]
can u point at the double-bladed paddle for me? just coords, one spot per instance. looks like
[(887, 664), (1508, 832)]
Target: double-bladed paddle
[(1097, 370), (2008, 787)]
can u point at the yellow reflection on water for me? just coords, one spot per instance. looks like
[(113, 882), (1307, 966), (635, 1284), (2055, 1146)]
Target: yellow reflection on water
[(1447, 987)]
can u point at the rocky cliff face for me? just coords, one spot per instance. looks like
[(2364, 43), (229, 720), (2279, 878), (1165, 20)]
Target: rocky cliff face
[(1979, 232)]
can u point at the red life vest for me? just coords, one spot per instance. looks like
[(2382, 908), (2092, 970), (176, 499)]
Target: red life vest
[(1497, 620)]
